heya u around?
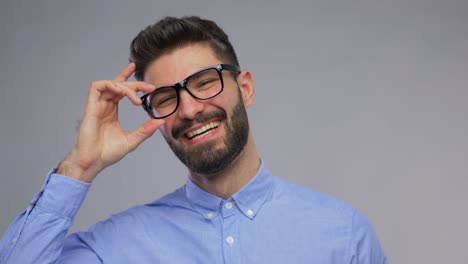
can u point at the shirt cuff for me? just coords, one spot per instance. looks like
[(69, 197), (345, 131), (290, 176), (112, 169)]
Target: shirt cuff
[(61, 195)]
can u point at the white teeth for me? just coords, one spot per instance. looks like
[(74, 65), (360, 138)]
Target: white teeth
[(196, 133), (195, 137)]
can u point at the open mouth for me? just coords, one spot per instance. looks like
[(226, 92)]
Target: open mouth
[(202, 131)]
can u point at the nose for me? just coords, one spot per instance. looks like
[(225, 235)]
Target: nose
[(188, 105)]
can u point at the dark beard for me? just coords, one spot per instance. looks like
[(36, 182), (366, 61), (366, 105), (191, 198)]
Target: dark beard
[(204, 159)]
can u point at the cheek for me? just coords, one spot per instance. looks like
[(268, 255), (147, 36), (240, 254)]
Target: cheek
[(224, 101)]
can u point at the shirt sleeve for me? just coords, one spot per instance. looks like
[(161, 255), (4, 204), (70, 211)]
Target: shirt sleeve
[(38, 234), (365, 247)]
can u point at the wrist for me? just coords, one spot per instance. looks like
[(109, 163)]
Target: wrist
[(71, 168)]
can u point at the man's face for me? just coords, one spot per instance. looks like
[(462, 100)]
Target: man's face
[(206, 135)]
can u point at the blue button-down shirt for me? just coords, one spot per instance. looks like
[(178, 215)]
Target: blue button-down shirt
[(269, 221)]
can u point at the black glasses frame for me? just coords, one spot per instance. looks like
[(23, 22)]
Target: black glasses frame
[(183, 85)]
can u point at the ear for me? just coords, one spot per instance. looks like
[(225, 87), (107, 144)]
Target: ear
[(246, 86)]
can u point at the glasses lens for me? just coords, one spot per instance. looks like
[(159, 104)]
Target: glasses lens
[(205, 84), (163, 101)]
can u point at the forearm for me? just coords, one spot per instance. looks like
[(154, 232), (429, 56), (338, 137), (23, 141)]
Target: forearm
[(38, 234)]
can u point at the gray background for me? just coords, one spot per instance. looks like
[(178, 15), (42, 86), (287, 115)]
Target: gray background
[(364, 100)]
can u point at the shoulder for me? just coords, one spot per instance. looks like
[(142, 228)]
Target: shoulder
[(308, 199), (133, 223), (319, 207), (331, 214), (140, 215)]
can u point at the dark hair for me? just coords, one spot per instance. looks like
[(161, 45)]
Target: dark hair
[(171, 33)]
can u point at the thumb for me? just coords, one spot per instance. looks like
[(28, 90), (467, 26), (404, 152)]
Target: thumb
[(146, 130)]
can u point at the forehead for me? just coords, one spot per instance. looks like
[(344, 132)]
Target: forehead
[(179, 64)]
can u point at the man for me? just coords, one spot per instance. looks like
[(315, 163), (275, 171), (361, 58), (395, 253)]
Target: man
[(232, 210)]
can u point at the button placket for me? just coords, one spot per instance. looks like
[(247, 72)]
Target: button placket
[(230, 240), (228, 209), (230, 232)]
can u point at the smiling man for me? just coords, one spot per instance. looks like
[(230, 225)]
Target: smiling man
[(231, 210), (206, 122)]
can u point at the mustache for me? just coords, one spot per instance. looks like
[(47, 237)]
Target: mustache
[(178, 130)]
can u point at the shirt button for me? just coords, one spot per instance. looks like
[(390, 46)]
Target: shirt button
[(228, 205), (230, 240), (209, 215), (249, 213)]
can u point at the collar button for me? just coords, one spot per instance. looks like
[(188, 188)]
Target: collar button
[(250, 213), (228, 205), (210, 215)]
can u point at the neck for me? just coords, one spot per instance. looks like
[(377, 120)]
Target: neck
[(231, 180)]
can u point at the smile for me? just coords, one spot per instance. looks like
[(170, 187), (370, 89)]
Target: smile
[(200, 132)]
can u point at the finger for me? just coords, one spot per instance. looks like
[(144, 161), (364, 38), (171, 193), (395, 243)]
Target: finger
[(126, 73), (103, 89), (107, 90), (115, 91), (132, 95), (131, 89), (140, 86), (137, 136)]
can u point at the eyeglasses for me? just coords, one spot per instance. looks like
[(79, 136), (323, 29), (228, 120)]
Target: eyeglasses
[(202, 85)]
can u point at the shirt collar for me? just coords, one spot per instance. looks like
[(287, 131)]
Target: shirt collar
[(249, 199)]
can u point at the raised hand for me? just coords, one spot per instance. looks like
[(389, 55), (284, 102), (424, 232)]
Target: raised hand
[(101, 139)]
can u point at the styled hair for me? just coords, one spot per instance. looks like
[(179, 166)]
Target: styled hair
[(171, 33)]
